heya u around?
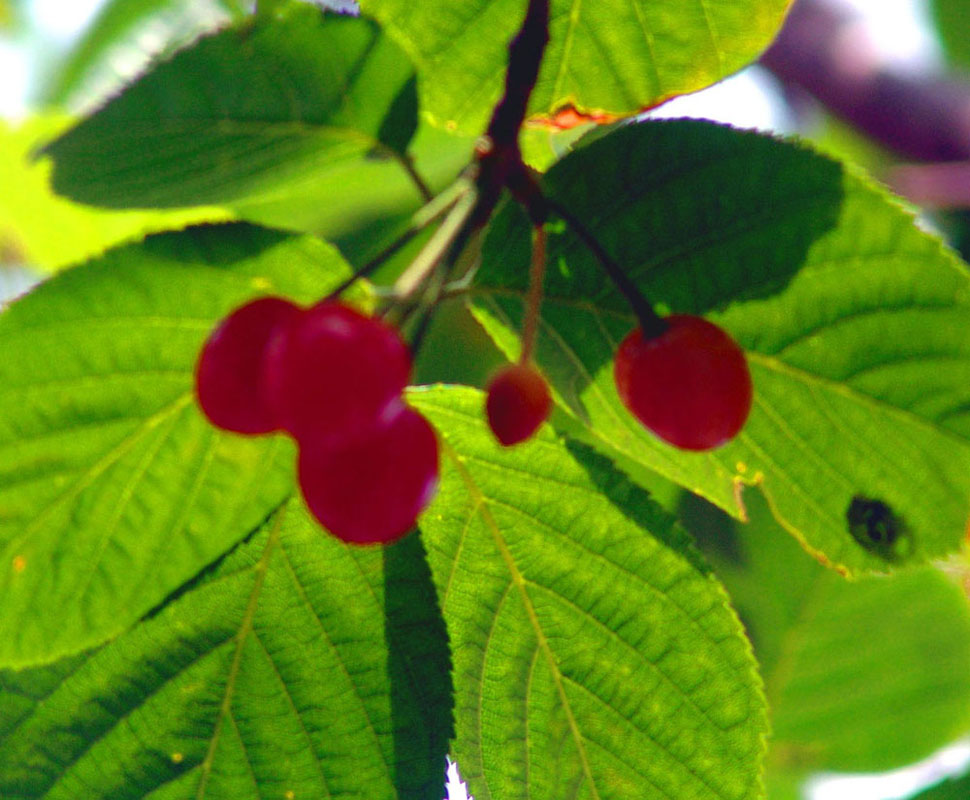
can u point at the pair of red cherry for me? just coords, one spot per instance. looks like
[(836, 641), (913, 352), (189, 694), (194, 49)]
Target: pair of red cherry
[(690, 385), (333, 379)]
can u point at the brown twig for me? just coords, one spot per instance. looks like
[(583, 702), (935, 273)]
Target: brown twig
[(533, 300), (823, 50), (498, 154)]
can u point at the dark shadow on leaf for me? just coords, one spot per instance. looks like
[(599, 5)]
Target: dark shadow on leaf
[(715, 532), (204, 574), (401, 121), (636, 504), (700, 216), (419, 669), (214, 244)]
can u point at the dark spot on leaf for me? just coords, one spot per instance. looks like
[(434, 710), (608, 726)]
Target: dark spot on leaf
[(875, 526), (715, 532)]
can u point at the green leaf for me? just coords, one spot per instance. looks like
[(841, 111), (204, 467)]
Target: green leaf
[(784, 787), (953, 789), (46, 231), (604, 59), (114, 490), (888, 702), (594, 653), (297, 668), (856, 325), (860, 676), (128, 32), (953, 29), (242, 117), (356, 204)]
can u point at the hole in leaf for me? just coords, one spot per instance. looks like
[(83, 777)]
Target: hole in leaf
[(877, 528)]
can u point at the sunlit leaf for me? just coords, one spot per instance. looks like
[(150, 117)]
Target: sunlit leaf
[(856, 326), (594, 654), (46, 231), (247, 116), (864, 675), (114, 490), (605, 59), (297, 668)]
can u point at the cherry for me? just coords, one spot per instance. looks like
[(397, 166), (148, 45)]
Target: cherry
[(331, 373), (373, 488), (228, 374), (517, 403), (690, 385)]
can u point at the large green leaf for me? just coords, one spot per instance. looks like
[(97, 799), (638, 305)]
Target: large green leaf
[(129, 32), (856, 326), (46, 231), (861, 675), (605, 58), (298, 668), (357, 206), (594, 653), (276, 105), (114, 490), (874, 674)]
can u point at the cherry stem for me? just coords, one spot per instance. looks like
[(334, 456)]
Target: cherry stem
[(533, 299), (375, 262), (407, 164), (434, 288), (449, 238), (651, 324), (498, 166), (434, 264), (427, 307), (424, 216)]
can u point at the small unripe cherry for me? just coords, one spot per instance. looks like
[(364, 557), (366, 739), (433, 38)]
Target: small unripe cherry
[(372, 489), (517, 403), (690, 385), (332, 372), (228, 374)]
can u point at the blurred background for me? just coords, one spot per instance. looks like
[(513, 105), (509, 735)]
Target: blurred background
[(881, 83)]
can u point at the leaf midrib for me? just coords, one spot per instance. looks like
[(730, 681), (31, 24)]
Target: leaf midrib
[(245, 627), (518, 580)]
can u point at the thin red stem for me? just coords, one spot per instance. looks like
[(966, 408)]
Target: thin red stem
[(533, 300), (651, 323)]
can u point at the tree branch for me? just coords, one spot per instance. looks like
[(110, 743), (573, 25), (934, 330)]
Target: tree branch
[(824, 51)]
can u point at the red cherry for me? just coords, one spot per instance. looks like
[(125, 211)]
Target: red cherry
[(228, 374), (518, 402), (372, 489), (690, 385), (331, 373)]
